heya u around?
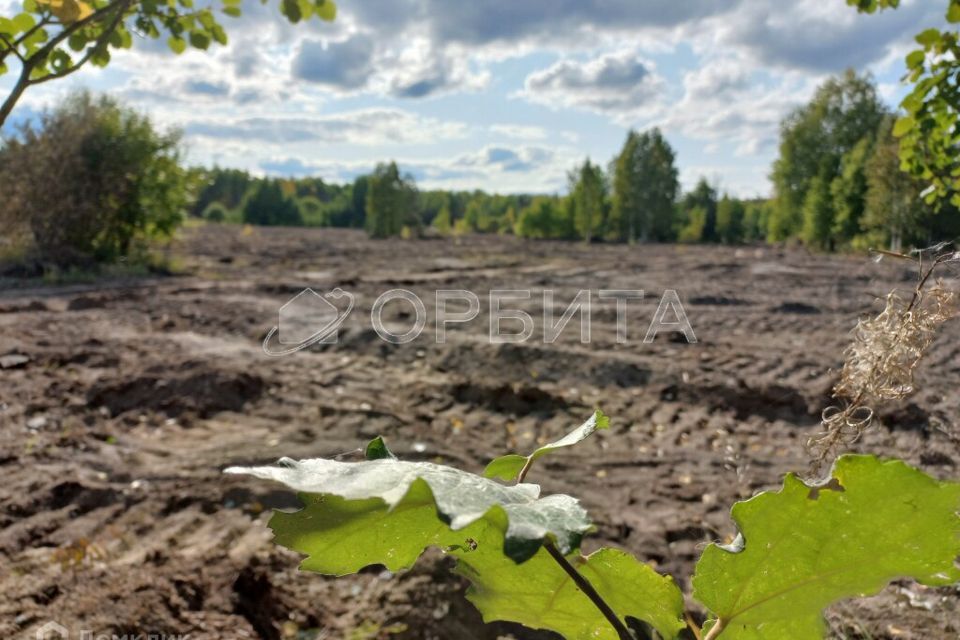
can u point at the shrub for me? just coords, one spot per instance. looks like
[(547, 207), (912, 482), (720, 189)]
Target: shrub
[(92, 181), (215, 212), (313, 212)]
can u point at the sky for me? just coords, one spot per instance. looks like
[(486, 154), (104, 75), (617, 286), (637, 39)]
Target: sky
[(503, 95)]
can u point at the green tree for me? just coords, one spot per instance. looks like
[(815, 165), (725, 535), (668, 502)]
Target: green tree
[(543, 218), (473, 216), (730, 216), (814, 139), (587, 191), (226, 186), (391, 202), (443, 223), (702, 198), (895, 212), (52, 39), (755, 219), (93, 181), (818, 213), (645, 188), (696, 222), (929, 127), (358, 196), (268, 205), (626, 220), (849, 190)]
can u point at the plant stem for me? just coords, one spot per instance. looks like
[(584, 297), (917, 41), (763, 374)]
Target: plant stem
[(526, 469), (584, 585), (716, 630)]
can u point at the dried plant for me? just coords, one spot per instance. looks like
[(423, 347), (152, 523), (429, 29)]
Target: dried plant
[(885, 352)]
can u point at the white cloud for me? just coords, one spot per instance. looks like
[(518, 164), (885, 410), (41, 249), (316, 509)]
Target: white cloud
[(375, 126), (621, 84), (734, 108), (520, 132)]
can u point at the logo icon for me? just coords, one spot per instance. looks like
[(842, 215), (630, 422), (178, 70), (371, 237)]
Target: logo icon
[(52, 631), (308, 318)]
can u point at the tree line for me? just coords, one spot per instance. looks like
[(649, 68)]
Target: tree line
[(837, 184)]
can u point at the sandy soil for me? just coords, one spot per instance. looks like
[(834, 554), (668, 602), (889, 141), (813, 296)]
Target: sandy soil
[(131, 396)]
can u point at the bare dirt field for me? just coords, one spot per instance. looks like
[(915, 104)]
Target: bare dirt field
[(121, 401)]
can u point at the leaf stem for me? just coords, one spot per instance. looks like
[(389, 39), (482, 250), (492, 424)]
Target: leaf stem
[(716, 630), (525, 470), (584, 585)]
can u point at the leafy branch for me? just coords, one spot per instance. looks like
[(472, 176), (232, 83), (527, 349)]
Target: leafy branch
[(928, 129), (52, 39)]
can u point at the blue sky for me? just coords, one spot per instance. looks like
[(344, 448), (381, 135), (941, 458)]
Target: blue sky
[(505, 95)]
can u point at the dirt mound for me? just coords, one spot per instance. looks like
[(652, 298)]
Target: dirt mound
[(83, 303), (196, 388), (717, 301), (517, 400), (799, 308)]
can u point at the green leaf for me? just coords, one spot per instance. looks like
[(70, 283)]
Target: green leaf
[(916, 59), (206, 19), (508, 467), (803, 548), (291, 9), (326, 10), (126, 40), (199, 40), (458, 498), (505, 468), (903, 126), (377, 450), (306, 8), (539, 595), (912, 103), (341, 536), (60, 61), (77, 41), (929, 37), (953, 12), (23, 22), (115, 39), (100, 58), (177, 45), (219, 35), (233, 12)]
